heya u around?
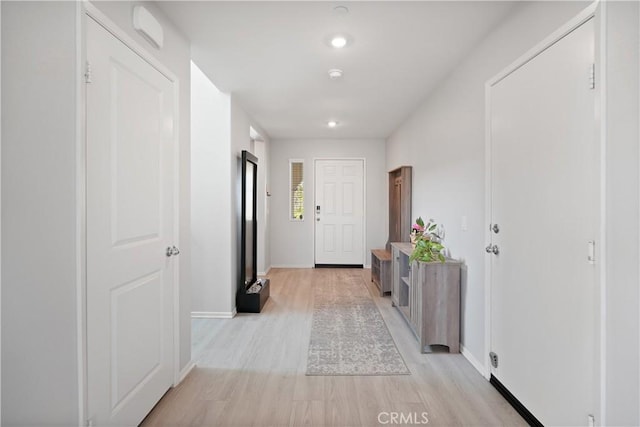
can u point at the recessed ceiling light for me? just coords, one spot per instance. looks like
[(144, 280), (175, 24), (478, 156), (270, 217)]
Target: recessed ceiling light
[(332, 123), (338, 42), (335, 73)]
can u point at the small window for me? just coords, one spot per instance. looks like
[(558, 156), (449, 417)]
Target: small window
[(296, 180)]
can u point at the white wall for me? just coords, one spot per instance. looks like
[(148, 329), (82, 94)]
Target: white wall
[(176, 56), (292, 241), (39, 342), (444, 142), (622, 212), (210, 191), (41, 80)]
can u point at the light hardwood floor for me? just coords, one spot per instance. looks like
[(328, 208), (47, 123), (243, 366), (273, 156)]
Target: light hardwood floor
[(251, 372)]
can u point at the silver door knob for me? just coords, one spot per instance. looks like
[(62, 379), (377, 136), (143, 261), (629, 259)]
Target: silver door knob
[(172, 250), (492, 249)]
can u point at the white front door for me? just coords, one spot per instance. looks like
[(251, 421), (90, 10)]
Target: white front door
[(339, 212), (545, 192), (130, 205)]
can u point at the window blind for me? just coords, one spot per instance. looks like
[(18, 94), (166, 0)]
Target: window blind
[(296, 173)]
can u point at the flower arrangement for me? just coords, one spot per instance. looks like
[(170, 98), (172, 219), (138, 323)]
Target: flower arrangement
[(417, 229), (427, 241)]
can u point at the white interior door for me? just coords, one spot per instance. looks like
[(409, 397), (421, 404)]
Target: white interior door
[(130, 178), (339, 212), (545, 196)]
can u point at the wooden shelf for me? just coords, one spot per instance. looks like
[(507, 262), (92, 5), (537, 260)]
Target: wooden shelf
[(381, 270), (427, 294)]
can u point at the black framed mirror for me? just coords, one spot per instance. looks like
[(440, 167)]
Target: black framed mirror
[(249, 224), (252, 292)]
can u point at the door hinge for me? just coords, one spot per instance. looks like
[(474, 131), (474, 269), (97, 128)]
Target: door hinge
[(592, 76), (591, 252), (88, 74), (494, 359)]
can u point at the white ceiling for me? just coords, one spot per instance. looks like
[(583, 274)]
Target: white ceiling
[(275, 56)]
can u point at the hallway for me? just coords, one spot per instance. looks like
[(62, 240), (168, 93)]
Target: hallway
[(251, 372)]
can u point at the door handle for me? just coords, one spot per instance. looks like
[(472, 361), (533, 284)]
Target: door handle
[(172, 250), (492, 249)]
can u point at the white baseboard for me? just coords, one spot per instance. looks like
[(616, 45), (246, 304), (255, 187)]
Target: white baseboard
[(367, 266), (474, 362), (292, 266), (184, 372), (214, 314), (261, 273)]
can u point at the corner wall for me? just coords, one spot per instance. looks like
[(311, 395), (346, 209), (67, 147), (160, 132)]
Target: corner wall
[(210, 231), (292, 242)]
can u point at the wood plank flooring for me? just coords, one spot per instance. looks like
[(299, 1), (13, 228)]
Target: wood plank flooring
[(251, 372)]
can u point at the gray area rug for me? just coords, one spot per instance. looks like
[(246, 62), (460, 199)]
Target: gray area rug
[(348, 334)]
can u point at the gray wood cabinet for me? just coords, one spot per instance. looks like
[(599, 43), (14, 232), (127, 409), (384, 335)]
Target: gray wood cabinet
[(381, 270), (428, 297)]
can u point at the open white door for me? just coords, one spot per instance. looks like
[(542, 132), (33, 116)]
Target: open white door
[(339, 212), (544, 202), (130, 208)]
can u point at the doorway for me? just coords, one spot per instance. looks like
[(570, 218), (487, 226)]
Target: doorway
[(339, 212), (131, 257), (544, 202)]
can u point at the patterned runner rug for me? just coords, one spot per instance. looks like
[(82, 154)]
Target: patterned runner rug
[(348, 334)]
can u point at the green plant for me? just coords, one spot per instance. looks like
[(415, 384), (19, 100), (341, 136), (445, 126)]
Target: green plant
[(429, 245)]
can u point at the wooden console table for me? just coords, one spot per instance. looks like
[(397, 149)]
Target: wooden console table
[(427, 294), (381, 270)]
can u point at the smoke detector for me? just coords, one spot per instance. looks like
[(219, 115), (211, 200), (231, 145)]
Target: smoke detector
[(341, 10), (335, 73)]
